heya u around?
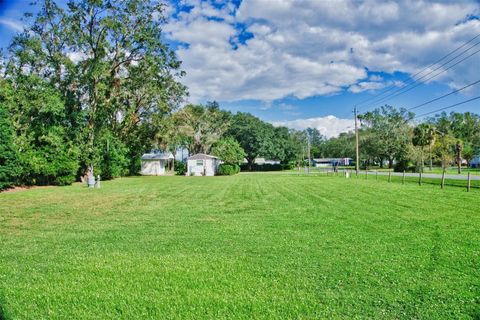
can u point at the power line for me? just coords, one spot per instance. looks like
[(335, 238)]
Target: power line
[(421, 71), (447, 107), (445, 95), (399, 92)]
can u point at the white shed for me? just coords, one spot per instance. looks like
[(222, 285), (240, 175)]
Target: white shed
[(154, 164), (202, 165)]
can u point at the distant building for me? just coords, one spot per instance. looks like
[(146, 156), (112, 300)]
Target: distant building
[(261, 161), (202, 165), (331, 162), (154, 164), (475, 162)]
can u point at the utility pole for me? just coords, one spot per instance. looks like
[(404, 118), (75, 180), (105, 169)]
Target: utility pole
[(357, 150), (308, 149)]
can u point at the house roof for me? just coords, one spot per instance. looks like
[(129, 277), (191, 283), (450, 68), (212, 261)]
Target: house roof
[(157, 156), (201, 156), (330, 159)]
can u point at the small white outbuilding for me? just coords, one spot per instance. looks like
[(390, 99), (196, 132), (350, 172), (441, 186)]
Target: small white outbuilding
[(202, 165), (154, 164)]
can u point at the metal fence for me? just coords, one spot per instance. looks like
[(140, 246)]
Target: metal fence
[(467, 181)]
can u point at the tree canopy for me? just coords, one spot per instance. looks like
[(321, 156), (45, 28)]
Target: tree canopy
[(93, 80)]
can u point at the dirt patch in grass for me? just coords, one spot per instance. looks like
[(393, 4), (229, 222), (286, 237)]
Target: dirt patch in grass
[(24, 188)]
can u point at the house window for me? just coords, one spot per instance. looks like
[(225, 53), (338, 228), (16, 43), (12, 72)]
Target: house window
[(200, 163)]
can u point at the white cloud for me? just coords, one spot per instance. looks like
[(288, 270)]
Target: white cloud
[(12, 24), (366, 85), (304, 48), (329, 126)]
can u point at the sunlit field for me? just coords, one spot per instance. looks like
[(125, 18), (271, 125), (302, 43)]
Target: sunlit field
[(266, 246)]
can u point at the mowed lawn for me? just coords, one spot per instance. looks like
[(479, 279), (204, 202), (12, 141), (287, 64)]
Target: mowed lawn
[(258, 246)]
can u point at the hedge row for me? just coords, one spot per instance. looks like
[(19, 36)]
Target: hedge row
[(228, 169)]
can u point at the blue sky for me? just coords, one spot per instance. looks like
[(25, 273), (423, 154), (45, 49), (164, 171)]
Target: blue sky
[(307, 63)]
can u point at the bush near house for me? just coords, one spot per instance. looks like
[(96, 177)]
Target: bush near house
[(228, 169), (180, 168)]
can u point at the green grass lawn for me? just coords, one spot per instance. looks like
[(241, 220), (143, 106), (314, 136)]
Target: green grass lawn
[(264, 246)]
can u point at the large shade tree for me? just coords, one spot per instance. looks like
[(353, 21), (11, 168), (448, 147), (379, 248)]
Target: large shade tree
[(201, 126), (342, 146), (229, 150), (110, 63), (390, 126), (256, 137), (463, 126)]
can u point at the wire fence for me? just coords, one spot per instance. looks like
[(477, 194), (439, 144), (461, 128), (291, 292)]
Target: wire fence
[(466, 181)]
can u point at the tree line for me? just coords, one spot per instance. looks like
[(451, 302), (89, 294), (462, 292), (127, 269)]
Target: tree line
[(87, 89), (232, 137), (389, 137)]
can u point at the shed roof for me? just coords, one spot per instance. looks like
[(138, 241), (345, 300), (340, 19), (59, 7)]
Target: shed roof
[(201, 156), (330, 159), (157, 156)]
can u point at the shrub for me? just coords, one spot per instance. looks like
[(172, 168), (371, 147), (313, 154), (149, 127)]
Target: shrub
[(229, 150), (404, 165), (9, 167), (288, 166), (228, 169), (113, 160), (180, 168), (49, 160)]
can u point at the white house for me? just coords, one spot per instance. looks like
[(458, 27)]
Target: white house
[(202, 165), (154, 164), (262, 161), (331, 162), (475, 162)]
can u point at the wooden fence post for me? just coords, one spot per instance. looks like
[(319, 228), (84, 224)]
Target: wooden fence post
[(468, 183), (366, 173), (443, 178), (389, 176), (376, 174), (420, 179), (403, 177)]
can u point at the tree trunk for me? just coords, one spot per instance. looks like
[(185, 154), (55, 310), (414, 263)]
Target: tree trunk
[(390, 163), (459, 162), (250, 162), (431, 160), (421, 160)]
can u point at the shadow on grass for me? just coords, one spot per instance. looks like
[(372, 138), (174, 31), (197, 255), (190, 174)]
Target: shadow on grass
[(2, 314)]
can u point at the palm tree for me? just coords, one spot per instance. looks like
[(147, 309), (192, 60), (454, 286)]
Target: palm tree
[(423, 135)]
